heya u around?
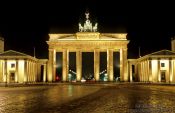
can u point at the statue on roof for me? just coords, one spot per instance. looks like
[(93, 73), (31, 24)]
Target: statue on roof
[(80, 28), (87, 15), (87, 27), (95, 27)]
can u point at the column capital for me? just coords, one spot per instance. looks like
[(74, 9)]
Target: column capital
[(96, 50), (51, 49), (125, 49), (110, 49)]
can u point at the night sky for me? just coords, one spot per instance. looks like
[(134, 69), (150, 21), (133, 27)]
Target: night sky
[(26, 25)]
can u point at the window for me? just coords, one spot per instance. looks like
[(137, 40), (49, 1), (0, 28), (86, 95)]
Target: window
[(162, 64), (12, 65), (163, 77)]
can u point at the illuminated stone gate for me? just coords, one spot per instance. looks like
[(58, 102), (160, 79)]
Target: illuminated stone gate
[(87, 40)]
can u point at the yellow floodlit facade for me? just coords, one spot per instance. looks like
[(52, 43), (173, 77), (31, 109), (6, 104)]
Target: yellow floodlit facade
[(87, 40), (75, 43), (158, 67), (16, 67)]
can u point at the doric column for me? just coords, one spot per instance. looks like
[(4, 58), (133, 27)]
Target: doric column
[(30, 74), (136, 72), (5, 71), (31, 71), (25, 71), (44, 73), (31, 67), (141, 72), (147, 70), (1, 71), (54, 66), (123, 65), (144, 70), (79, 64), (28, 71), (17, 76), (170, 70), (150, 71), (38, 72), (158, 72), (96, 64), (130, 71), (50, 66), (35, 72), (173, 71), (110, 65), (65, 68)]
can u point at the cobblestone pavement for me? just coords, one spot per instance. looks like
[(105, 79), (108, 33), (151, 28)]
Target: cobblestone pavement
[(88, 98)]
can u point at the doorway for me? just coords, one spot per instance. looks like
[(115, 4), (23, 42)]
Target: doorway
[(163, 76), (12, 77)]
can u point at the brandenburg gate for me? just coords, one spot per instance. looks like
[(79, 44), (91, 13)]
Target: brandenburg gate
[(87, 40)]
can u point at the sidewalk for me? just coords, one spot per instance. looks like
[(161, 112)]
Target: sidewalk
[(80, 83), (26, 84)]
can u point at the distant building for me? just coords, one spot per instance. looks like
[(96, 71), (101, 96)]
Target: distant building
[(16, 67), (157, 67)]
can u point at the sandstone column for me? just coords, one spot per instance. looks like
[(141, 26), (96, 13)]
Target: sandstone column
[(25, 71), (96, 64), (158, 72), (170, 70), (130, 71), (44, 73), (110, 65), (123, 65), (79, 65), (51, 66), (65, 69)]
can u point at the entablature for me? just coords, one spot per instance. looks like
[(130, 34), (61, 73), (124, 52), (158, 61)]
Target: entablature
[(88, 45)]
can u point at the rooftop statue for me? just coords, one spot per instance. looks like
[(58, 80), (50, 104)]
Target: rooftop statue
[(95, 27), (88, 27), (87, 15)]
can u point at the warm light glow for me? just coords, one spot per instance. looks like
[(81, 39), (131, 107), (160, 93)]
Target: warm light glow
[(49, 73), (87, 27), (54, 55), (20, 75), (87, 35), (154, 70), (89, 42)]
